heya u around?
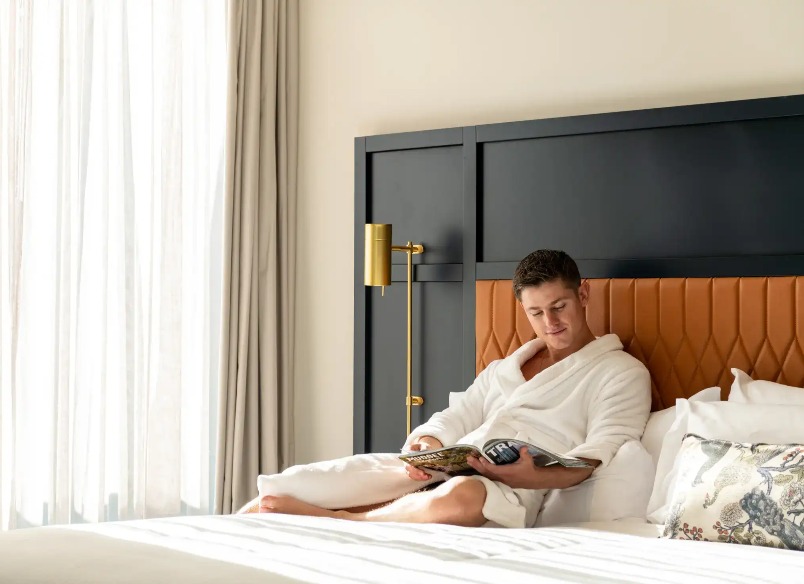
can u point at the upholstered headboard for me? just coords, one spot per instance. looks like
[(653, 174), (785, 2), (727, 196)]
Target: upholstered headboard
[(688, 331)]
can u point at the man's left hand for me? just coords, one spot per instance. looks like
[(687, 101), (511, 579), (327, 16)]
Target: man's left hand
[(521, 474)]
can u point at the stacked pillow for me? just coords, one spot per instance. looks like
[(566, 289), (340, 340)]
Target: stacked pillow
[(745, 390), (738, 476), (738, 493), (662, 438), (618, 491), (621, 490)]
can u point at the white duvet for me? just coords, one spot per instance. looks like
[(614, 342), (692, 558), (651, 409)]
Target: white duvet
[(277, 548)]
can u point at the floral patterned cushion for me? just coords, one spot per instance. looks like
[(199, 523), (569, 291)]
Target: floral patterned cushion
[(738, 493)]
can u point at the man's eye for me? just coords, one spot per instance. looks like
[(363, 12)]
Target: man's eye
[(559, 307), (536, 313)]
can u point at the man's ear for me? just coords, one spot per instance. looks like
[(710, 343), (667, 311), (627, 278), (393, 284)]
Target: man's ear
[(583, 293)]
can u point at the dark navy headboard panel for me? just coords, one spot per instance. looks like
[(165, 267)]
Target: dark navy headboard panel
[(695, 191)]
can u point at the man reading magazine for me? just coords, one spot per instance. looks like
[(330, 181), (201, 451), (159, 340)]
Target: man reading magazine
[(565, 391)]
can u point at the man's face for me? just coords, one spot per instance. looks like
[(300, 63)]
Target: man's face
[(556, 312)]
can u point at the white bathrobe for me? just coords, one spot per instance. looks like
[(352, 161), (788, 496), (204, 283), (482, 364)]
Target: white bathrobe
[(587, 405)]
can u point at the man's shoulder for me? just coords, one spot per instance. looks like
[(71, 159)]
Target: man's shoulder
[(492, 370), (621, 361), (621, 372)]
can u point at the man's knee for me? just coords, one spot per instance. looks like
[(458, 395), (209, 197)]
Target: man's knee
[(460, 501)]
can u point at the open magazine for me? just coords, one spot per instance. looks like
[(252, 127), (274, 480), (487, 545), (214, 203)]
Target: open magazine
[(452, 459)]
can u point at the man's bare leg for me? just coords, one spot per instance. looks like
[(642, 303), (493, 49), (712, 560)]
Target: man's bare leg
[(459, 501)]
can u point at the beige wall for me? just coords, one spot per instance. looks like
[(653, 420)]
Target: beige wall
[(374, 66)]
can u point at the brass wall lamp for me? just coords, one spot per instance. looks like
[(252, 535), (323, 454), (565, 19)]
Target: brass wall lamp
[(377, 272)]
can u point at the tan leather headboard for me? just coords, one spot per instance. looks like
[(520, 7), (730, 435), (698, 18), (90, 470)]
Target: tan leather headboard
[(688, 331)]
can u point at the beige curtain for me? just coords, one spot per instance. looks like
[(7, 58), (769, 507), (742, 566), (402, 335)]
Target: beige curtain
[(259, 272)]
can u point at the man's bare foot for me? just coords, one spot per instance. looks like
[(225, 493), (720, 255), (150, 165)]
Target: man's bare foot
[(292, 506)]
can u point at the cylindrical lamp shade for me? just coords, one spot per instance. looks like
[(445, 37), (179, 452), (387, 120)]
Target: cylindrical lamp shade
[(377, 259)]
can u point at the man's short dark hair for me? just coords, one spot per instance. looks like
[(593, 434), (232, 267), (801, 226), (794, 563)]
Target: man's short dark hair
[(546, 265)]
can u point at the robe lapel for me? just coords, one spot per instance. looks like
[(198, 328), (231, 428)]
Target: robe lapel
[(555, 375)]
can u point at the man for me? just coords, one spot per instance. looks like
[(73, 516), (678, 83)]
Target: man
[(565, 390)]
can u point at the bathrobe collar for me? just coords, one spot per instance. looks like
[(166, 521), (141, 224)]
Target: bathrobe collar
[(512, 367)]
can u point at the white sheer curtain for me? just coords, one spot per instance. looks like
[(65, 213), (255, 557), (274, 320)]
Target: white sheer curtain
[(112, 125)]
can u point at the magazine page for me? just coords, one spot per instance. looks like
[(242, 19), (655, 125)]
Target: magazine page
[(451, 459)]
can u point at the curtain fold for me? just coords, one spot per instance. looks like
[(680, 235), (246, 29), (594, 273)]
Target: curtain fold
[(259, 270)]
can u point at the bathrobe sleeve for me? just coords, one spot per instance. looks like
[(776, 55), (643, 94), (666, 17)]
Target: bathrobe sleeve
[(465, 413), (617, 413)]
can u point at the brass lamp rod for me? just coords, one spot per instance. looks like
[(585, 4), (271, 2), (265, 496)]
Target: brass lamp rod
[(377, 266), (410, 400)]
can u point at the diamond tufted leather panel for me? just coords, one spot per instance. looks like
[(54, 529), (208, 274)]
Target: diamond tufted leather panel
[(688, 331)]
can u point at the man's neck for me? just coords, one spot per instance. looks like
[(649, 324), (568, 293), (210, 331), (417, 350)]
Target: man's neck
[(557, 355)]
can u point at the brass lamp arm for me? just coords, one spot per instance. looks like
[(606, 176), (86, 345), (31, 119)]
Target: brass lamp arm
[(417, 249)]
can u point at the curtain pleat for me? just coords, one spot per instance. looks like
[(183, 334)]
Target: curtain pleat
[(256, 400)]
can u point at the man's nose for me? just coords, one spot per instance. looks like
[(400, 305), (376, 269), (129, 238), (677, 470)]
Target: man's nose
[(550, 319)]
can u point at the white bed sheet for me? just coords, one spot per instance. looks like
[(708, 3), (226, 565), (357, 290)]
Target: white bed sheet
[(278, 548)]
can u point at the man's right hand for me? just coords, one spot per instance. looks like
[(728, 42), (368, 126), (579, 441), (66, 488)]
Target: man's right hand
[(423, 443)]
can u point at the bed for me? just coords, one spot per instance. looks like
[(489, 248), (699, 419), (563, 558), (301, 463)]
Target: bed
[(691, 306), (263, 548)]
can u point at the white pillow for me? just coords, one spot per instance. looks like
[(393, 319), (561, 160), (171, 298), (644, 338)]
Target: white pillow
[(667, 428), (659, 423), (360, 479), (748, 391), (734, 422), (656, 429), (754, 423), (620, 490)]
